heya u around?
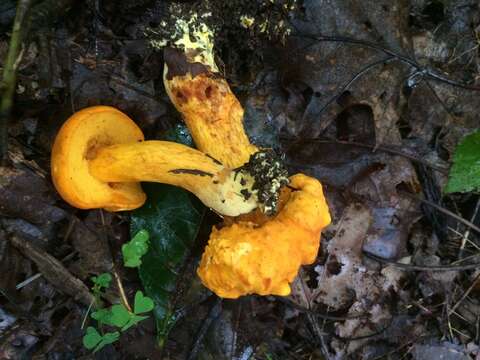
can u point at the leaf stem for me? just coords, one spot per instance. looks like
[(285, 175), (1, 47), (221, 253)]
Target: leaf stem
[(123, 296)]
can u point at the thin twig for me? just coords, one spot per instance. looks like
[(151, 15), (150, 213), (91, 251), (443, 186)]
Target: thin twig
[(303, 309), (477, 330), (446, 312), (429, 73), (84, 320), (440, 100), (313, 320), (9, 82), (213, 314), (28, 281), (461, 317), (460, 235), (464, 296), (129, 86), (409, 267), (381, 148), (467, 337), (467, 232), (39, 275), (118, 280), (445, 211), (53, 270), (121, 290), (376, 333), (349, 83)]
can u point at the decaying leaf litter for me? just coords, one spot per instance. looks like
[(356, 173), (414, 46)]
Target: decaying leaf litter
[(370, 98)]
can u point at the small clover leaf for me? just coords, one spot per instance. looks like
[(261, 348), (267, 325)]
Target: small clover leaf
[(134, 320), (102, 315), (120, 315), (117, 315), (107, 339), (92, 338), (102, 280), (134, 250), (142, 303)]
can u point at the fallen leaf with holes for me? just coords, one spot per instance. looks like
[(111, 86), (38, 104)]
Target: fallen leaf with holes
[(346, 283), (343, 278)]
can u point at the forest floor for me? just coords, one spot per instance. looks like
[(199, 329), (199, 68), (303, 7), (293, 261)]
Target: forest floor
[(370, 97)]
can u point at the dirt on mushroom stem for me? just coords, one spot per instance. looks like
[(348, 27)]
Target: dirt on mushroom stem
[(236, 24)]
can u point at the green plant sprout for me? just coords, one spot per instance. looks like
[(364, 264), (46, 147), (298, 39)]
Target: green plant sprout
[(118, 316), (94, 340), (100, 283), (134, 250)]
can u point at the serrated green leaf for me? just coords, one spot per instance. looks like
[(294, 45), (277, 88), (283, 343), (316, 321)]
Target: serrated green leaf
[(134, 250), (464, 175), (92, 338), (102, 280), (142, 303), (172, 217)]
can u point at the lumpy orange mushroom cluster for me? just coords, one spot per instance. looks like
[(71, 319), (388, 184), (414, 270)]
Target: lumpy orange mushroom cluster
[(100, 156), (248, 257)]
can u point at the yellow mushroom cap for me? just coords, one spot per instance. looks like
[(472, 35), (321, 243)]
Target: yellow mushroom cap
[(246, 258), (77, 142)]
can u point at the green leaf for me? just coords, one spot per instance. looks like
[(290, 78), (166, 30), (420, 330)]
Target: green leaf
[(465, 173), (91, 338), (134, 320), (107, 339), (120, 315), (102, 315), (172, 217), (142, 303), (117, 315), (135, 249), (102, 280)]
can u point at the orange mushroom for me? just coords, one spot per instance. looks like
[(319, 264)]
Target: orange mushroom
[(247, 258), (99, 157)]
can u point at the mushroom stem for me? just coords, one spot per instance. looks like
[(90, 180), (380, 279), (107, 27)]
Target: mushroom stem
[(211, 111), (100, 157), (220, 188)]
